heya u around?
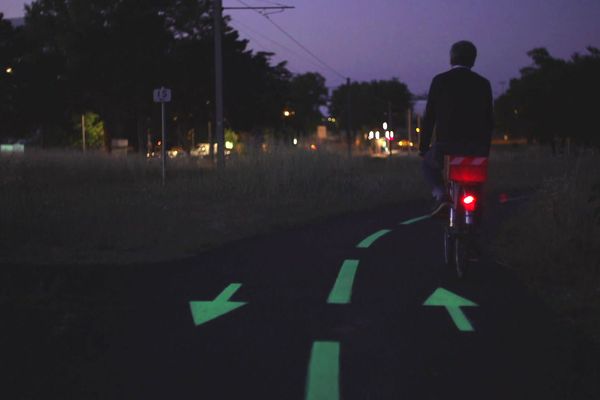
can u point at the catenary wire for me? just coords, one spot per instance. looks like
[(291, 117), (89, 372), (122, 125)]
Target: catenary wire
[(292, 38), (300, 57)]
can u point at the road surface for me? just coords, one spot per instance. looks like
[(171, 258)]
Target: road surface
[(354, 307)]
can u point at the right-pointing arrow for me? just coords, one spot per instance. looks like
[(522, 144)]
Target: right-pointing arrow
[(452, 302)]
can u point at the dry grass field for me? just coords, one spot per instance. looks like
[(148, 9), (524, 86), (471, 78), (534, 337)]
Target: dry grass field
[(74, 208), (62, 207)]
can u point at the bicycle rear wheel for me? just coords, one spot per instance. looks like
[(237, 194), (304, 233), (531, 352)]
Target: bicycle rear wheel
[(448, 247), (461, 255)]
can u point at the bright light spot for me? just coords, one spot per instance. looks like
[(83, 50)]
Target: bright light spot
[(286, 113), (468, 199), (505, 137), (385, 125), (332, 119), (295, 141), (229, 145), (159, 143), (411, 144), (9, 70), (418, 130), (387, 134), (371, 135), (313, 146), (377, 135), (469, 202), (392, 135)]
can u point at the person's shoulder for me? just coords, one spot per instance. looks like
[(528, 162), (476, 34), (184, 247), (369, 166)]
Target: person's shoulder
[(443, 75), (480, 78)]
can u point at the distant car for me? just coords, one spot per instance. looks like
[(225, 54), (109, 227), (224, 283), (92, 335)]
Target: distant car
[(200, 150), (405, 144), (203, 150), (176, 152)]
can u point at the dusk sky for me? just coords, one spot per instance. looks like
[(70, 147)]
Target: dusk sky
[(410, 39)]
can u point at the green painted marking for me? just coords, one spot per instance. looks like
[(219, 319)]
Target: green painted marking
[(452, 302), (413, 220), (370, 239), (342, 289), (323, 381), (204, 311)]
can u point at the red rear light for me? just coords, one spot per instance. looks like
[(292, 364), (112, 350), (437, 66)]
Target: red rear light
[(469, 201)]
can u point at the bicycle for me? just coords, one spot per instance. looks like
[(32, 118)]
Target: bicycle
[(465, 176)]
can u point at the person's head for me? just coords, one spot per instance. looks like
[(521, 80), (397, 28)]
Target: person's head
[(463, 53)]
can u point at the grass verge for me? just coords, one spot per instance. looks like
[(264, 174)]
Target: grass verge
[(554, 244)]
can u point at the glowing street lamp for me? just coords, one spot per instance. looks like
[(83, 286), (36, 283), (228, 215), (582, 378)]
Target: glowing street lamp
[(9, 70), (385, 126), (286, 113)]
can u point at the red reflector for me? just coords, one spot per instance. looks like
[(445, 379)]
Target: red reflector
[(468, 169)]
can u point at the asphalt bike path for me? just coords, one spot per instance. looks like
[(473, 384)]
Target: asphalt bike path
[(355, 307)]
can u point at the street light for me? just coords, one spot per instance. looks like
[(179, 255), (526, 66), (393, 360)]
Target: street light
[(9, 70)]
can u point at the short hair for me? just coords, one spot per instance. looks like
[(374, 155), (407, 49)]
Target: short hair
[(463, 53)]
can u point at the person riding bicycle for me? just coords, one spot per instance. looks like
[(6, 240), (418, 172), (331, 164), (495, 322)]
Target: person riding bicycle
[(460, 108)]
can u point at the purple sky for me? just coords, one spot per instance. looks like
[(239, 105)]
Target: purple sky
[(410, 39)]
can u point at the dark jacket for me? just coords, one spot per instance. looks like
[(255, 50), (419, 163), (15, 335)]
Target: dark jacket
[(460, 107)]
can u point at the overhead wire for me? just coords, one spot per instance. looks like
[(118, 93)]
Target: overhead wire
[(287, 49), (293, 39), (262, 46)]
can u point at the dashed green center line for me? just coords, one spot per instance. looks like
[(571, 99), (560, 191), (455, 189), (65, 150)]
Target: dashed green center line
[(413, 220), (342, 289), (372, 238), (323, 382)]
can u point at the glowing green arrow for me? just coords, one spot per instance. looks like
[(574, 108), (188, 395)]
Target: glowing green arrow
[(204, 311), (453, 303)]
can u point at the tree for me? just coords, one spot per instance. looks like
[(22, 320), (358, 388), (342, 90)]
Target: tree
[(106, 56), (8, 70), (549, 100), (370, 101), (307, 94)]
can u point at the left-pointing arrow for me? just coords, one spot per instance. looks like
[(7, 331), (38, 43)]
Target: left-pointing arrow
[(204, 311)]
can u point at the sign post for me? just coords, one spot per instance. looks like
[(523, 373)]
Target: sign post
[(162, 95)]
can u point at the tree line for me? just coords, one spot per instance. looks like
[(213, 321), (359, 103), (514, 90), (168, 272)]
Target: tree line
[(553, 99), (103, 58)]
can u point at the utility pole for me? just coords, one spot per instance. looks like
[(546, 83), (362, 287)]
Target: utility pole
[(219, 132), (217, 17), (409, 126), (418, 131), (348, 118), (390, 125), (83, 131)]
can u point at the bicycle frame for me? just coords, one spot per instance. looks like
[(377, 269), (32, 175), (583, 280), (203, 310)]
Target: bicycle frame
[(465, 177)]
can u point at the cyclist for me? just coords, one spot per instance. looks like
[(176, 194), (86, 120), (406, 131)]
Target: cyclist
[(460, 108)]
